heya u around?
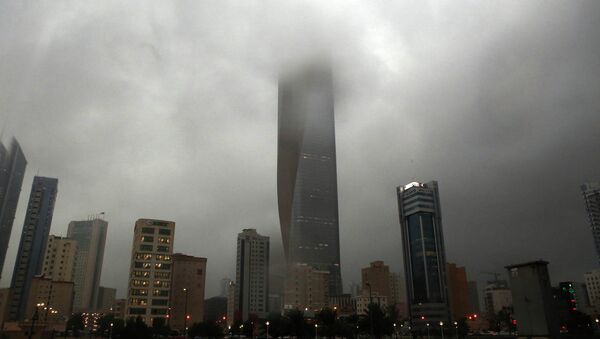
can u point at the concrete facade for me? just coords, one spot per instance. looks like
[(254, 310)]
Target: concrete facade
[(187, 291), (60, 258), (458, 291), (150, 271), (306, 288), (533, 303), (252, 275)]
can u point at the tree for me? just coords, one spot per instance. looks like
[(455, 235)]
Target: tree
[(76, 324), (326, 319), (136, 329), (159, 327), (298, 326), (208, 329)]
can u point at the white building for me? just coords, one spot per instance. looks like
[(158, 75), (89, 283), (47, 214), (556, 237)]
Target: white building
[(592, 283), (59, 259), (150, 273), (252, 275)]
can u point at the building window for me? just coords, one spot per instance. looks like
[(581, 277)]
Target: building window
[(147, 230), (164, 231), (162, 248), (146, 248)]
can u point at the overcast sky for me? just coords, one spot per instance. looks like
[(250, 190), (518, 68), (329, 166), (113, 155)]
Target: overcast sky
[(169, 110)]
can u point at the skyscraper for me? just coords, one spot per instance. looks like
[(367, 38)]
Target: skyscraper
[(591, 197), (60, 258), (307, 174), (458, 291), (252, 275), (91, 238), (150, 271), (424, 252), (12, 170), (32, 246)]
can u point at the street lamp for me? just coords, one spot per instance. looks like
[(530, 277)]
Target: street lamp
[(111, 330), (240, 332), (428, 331), (34, 318), (442, 328), (267, 323), (394, 330), (185, 316), (316, 331), (456, 327)]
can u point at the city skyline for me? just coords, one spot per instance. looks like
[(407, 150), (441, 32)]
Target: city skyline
[(504, 121)]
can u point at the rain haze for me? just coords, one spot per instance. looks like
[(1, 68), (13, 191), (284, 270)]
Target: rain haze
[(169, 110)]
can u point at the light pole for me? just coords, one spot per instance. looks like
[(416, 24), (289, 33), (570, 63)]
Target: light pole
[(427, 331), (316, 331), (240, 332), (442, 328), (395, 330), (456, 327), (185, 315), (267, 323), (110, 331), (34, 318)]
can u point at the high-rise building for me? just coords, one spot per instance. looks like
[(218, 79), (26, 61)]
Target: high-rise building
[(252, 275), (150, 272), (306, 288), (376, 280), (307, 174), (56, 297), (458, 291), (496, 296), (4, 305), (592, 284), (533, 302), (60, 258), (12, 171), (188, 278), (398, 294), (106, 299), (224, 287), (473, 298), (91, 239), (591, 197), (424, 253), (30, 256), (233, 314)]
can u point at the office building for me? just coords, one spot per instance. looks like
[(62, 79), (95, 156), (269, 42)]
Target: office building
[(362, 303), (91, 238), (119, 308), (224, 287), (252, 275), (398, 294), (215, 309), (591, 197), (592, 284), (150, 273), (60, 258), (56, 297), (496, 296), (188, 278), (233, 315), (306, 288), (458, 291), (4, 305), (32, 247), (424, 253), (307, 174), (12, 171), (376, 280), (343, 304), (533, 303), (106, 299), (473, 298)]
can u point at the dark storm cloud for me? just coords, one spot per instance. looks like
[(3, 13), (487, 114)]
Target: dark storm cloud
[(168, 110)]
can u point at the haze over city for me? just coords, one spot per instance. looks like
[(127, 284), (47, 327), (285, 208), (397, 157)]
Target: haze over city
[(169, 111)]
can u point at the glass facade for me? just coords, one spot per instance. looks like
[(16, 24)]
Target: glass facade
[(307, 173), (424, 254)]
